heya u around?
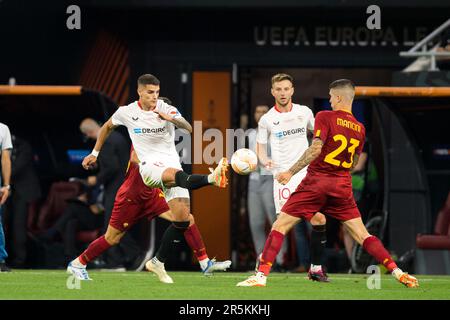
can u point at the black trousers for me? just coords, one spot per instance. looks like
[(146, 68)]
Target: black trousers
[(18, 213), (76, 217)]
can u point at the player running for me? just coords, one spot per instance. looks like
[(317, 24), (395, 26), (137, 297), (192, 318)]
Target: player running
[(338, 141), (286, 126)]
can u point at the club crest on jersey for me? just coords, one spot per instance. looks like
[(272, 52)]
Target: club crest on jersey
[(158, 164)]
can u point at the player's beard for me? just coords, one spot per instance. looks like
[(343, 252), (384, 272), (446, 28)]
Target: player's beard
[(285, 104)]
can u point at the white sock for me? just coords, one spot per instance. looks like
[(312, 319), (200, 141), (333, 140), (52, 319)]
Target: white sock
[(397, 272), (210, 178), (316, 268), (203, 263), (78, 264)]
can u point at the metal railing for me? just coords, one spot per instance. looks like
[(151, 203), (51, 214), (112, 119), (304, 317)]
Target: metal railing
[(421, 50)]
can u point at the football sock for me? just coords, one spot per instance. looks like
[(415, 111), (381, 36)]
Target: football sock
[(191, 182), (195, 242), (376, 249), (270, 252), (315, 268), (96, 248), (318, 242), (172, 235)]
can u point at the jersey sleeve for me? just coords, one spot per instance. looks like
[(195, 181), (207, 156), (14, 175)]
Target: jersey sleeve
[(168, 109), (321, 127), (310, 123), (361, 148), (263, 131), (118, 118), (6, 142)]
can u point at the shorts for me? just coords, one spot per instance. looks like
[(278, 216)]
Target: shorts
[(330, 195), (126, 212), (281, 193), (151, 172), (175, 192)]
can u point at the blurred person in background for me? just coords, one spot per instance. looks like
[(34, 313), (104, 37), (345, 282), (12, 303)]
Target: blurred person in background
[(82, 213), (26, 189), (5, 149)]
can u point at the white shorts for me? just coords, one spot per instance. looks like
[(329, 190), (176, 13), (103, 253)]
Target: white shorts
[(282, 192), (151, 172), (175, 192)]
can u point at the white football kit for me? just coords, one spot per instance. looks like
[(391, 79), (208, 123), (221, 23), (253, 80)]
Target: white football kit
[(153, 142), (287, 133)]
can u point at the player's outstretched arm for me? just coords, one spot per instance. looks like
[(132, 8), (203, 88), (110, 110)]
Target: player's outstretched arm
[(308, 156), (103, 134)]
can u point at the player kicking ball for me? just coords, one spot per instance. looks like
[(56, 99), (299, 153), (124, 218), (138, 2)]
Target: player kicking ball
[(151, 125), (327, 187)]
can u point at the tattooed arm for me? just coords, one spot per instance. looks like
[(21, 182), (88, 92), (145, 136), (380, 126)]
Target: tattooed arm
[(310, 154), (179, 122), (182, 124)]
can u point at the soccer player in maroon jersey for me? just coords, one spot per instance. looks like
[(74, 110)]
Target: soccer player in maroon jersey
[(134, 200), (327, 187)]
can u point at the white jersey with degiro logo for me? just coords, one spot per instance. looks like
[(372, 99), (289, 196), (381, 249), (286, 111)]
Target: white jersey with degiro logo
[(152, 137), (287, 133)]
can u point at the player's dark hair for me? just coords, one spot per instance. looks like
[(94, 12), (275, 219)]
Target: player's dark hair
[(342, 83), (282, 76), (148, 79), (166, 100)]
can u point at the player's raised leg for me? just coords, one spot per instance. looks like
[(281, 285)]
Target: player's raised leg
[(156, 175), (77, 267), (318, 242), (375, 248), (281, 226)]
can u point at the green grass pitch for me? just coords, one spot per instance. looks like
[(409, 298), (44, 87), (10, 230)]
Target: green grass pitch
[(52, 284)]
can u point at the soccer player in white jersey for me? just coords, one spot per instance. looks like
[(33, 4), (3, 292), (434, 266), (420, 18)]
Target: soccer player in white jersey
[(151, 126), (286, 125)]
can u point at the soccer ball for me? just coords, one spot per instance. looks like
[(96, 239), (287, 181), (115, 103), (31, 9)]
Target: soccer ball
[(244, 161)]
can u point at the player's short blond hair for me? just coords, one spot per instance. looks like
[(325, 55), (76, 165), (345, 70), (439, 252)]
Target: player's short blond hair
[(281, 77)]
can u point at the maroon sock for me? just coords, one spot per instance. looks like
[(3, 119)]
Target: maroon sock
[(376, 249), (96, 248), (270, 252), (195, 242)]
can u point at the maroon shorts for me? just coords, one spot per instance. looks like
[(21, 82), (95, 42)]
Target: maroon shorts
[(331, 195), (127, 212)]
